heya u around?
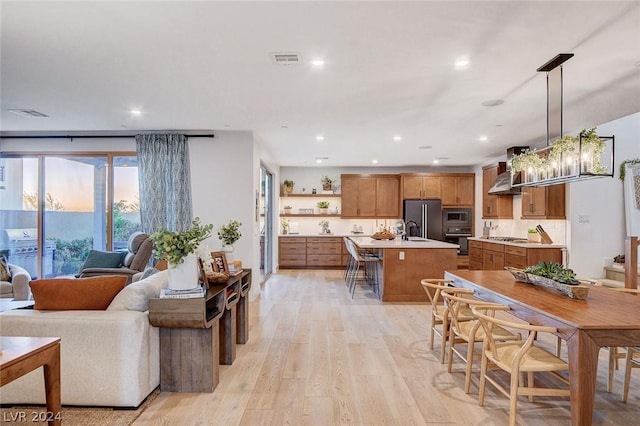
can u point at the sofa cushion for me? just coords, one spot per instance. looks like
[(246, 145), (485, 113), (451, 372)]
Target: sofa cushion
[(94, 293), (6, 288), (103, 259), (135, 297)]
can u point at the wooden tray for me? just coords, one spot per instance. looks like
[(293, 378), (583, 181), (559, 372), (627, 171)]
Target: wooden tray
[(573, 291)]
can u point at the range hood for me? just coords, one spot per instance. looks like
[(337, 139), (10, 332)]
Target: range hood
[(502, 184)]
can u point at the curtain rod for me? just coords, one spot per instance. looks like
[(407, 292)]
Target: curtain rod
[(207, 135)]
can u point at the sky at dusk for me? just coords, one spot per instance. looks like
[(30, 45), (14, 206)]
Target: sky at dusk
[(72, 182)]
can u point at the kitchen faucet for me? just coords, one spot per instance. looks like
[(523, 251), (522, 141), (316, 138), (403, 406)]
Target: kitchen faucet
[(410, 225)]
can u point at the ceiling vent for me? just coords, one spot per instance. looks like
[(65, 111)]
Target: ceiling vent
[(286, 58), (30, 113)]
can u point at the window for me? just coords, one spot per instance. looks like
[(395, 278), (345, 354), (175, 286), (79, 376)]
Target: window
[(61, 206)]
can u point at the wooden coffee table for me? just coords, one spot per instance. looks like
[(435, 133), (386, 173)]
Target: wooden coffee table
[(21, 355)]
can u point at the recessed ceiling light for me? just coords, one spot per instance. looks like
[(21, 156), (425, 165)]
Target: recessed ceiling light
[(317, 62), (374, 161), (425, 147), (483, 138), (436, 161), (492, 102), (397, 138), (319, 138), (462, 63), (135, 112), (318, 160)]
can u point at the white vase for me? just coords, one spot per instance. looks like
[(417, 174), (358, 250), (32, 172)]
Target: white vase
[(184, 275)]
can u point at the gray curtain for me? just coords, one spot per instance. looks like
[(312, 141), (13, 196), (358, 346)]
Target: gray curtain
[(165, 185)]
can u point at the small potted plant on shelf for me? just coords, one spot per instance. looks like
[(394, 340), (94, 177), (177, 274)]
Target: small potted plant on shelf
[(285, 226), (178, 249), (327, 183), (287, 187), (323, 206), (229, 234), (287, 209)]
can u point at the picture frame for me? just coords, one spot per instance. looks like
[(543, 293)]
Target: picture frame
[(219, 261)]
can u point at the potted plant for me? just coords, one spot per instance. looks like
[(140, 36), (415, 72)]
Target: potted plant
[(287, 187), (178, 249), (327, 183), (529, 163), (323, 206), (552, 275), (324, 224), (287, 209), (285, 226), (229, 234)]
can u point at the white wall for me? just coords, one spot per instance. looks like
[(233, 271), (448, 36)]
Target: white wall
[(223, 188), (601, 200)]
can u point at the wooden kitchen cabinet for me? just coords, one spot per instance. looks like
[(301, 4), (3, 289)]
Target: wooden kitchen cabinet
[(292, 251), (370, 196), (547, 202), (475, 255), (495, 206), (457, 190), (324, 251), (495, 256), (492, 256), (420, 186)]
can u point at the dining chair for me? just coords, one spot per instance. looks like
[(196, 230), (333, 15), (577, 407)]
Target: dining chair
[(516, 358), (629, 355), (439, 312), (469, 332)]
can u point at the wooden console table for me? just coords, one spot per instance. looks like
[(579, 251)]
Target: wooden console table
[(21, 355), (196, 335)]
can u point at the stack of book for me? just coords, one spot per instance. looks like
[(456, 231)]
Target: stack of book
[(235, 267), (192, 293)]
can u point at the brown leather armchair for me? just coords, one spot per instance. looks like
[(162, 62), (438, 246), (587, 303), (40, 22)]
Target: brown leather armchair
[(139, 250)]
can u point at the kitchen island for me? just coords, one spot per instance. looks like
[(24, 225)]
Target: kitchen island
[(405, 263)]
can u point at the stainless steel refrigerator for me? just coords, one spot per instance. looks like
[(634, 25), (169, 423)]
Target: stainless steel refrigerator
[(423, 218)]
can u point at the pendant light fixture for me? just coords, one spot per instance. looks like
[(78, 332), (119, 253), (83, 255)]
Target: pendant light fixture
[(565, 158)]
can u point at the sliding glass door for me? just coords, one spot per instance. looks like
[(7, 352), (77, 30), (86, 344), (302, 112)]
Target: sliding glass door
[(55, 208)]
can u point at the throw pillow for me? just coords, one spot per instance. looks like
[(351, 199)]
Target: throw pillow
[(135, 297), (65, 294), (5, 274), (104, 259)]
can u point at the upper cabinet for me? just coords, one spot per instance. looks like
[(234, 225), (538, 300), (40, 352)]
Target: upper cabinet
[(495, 206), (420, 186), (546, 202), (370, 196), (457, 190)]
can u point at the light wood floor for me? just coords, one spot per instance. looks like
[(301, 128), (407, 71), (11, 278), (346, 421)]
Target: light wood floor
[(315, 356)]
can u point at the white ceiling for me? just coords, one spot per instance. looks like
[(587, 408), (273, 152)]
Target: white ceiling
[(389, 70)]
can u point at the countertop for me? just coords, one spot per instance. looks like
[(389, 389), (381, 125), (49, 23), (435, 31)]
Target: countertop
[(368, 242), (321, 235), (524, 245)]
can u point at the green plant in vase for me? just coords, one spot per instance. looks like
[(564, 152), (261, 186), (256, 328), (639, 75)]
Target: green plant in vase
[(324, 224), (327, 183), (174, 246), (592, 148), (287, 186), (229, 234), (530, 163), (323, 206)]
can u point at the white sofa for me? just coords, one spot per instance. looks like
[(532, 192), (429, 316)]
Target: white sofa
[(18, 288), (108, 358)]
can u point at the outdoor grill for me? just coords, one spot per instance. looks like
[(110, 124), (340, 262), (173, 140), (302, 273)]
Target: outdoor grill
[(22, 244)]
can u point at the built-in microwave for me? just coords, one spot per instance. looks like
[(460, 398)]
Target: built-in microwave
[(456, 217)]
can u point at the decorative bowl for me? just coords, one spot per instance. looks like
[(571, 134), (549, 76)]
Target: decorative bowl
[(579, 292)]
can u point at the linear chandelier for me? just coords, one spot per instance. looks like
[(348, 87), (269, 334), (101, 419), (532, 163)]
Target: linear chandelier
[(565, 158)]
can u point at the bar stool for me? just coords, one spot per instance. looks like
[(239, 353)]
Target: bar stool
[(367, 264)]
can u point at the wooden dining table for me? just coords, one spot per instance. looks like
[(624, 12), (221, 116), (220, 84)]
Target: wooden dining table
[(605, 318)]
